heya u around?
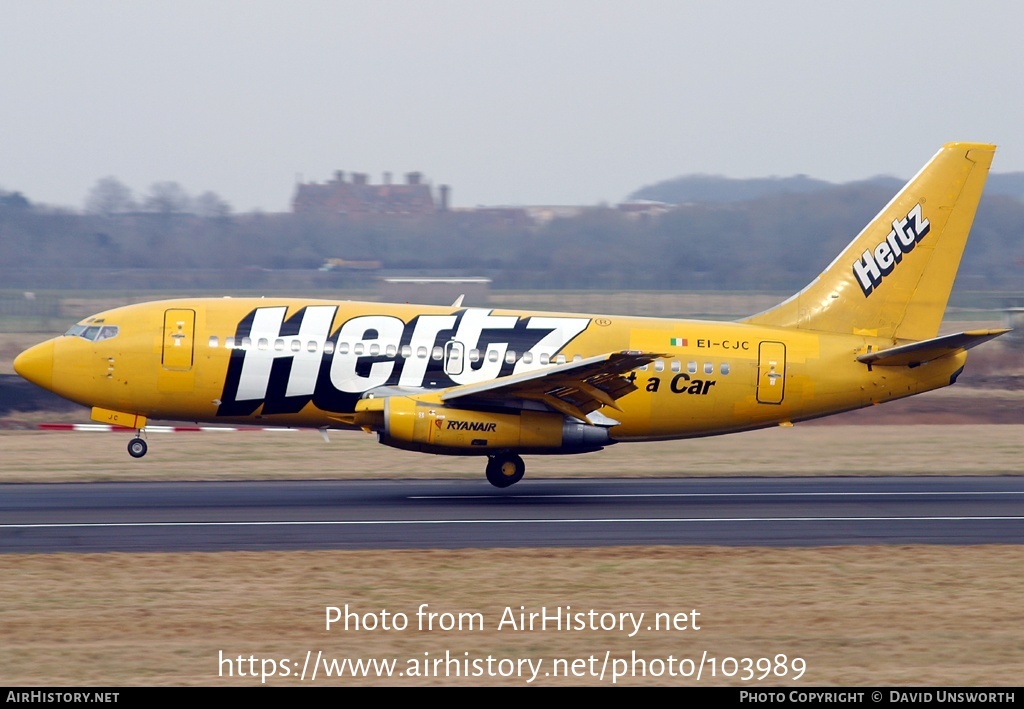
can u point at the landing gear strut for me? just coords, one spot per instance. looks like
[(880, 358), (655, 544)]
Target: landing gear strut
[(504, 469), (137, 447)]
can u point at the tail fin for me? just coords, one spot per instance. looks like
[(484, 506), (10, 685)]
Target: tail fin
[(894, 279)]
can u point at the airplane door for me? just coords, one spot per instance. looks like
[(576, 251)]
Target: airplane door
[(771, 372), (454, 357), (179, 339)]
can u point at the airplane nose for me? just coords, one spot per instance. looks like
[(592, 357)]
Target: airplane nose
[(36, 364)]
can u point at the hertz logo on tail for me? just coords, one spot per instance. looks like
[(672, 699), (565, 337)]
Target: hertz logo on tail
[(877, 263)]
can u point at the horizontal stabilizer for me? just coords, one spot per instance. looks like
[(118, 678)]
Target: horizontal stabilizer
[(917, 353)]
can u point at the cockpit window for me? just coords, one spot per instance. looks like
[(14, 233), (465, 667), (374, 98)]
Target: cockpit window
[(93, 333)]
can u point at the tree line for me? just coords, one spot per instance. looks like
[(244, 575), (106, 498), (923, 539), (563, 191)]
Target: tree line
[(776, 241)]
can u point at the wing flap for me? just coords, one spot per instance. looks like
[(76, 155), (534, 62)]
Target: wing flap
[(917, 353), (572, 388)]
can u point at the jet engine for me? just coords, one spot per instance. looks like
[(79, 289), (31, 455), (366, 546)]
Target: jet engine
[(434, 428)]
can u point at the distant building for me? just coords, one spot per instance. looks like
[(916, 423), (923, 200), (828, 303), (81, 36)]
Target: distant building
[(506, 216), (542, 214), (644, 209), (1015, 320), (434, 290), (355, 196)]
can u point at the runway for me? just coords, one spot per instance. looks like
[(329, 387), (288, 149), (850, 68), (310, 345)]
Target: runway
[(218, 516)]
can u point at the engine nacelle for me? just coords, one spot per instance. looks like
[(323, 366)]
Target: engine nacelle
[(434, 428)]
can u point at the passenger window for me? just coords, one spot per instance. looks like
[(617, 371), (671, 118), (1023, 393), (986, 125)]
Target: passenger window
[(263, 343), (436, 354), (560, 359), (246, 343), (725, 368), (311, 346), (374, 349), (214, 342), (577, 358), (343, 348), (527, 357), (676, 365), (357, 348), (329, 347), (391, 351), (691, 367), (709, 368), (474, 355), (492, 355), (406, 351), (545, 358), (296, 345), (229, 342), (279, 345), (659, 365), (510, 357)]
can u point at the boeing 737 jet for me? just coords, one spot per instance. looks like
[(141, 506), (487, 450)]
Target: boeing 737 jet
[(501, 384)]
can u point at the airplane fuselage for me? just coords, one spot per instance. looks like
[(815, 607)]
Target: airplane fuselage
[(307, 363)]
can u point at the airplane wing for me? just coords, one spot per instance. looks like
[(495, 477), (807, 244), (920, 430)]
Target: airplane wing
[(572, 388), (916, 353)]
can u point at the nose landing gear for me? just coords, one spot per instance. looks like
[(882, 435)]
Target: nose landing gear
[(137, 447)]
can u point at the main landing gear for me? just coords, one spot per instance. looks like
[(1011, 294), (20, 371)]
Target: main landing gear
[(137, 447), (504, 469)]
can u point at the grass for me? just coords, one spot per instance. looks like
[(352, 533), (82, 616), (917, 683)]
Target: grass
[(856, 616), (45, 456)]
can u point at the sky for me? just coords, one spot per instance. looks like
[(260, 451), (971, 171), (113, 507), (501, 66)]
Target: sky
[(511, 102)]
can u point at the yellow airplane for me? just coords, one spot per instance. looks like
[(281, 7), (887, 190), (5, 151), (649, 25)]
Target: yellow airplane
[(477, 381)]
